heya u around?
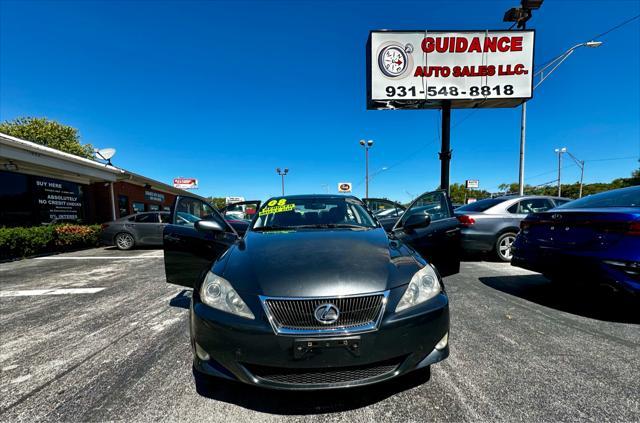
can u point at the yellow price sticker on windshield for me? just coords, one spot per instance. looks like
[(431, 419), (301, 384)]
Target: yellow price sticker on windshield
[(277, 206)]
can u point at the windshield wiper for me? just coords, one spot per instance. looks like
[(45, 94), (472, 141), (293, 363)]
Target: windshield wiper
[(332, 225), (270, 228)]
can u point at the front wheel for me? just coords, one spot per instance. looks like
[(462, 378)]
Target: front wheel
[(503, 246), (124, 241)]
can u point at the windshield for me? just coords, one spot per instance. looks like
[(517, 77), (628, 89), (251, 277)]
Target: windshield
[(626, 197), (481, 205), (313, 212)]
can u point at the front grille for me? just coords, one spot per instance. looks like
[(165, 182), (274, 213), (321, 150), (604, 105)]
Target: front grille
[(297, 314), (322, 376)]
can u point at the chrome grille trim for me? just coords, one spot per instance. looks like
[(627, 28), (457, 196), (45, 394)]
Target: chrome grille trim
[(300, 310)]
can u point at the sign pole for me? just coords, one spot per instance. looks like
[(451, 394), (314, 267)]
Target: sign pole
[(445, 152)]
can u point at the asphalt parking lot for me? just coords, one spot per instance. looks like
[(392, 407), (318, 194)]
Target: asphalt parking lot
[(98, 335)]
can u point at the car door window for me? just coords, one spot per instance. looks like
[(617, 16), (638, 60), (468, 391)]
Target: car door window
[(190, 210), (435, 203), (534, 205), (384, 208), (147, 218), (245, 210), (165, 218)]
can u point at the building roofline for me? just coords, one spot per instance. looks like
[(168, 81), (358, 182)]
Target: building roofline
[(120, 174), (41, 149)]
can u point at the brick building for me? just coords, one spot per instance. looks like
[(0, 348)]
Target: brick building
[(40, 185)]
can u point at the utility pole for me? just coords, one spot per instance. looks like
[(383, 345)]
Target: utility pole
[(580, 164), (445, 149), (560, 151), (282, 173), (520, 16), (367, 145)]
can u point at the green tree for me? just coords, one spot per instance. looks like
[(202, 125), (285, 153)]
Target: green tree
[(459, 193), (218, 202), (48, 133)]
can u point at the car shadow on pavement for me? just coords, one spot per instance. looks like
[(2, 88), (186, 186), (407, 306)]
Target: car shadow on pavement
[(305, 402), (182, 300), (591, 301)]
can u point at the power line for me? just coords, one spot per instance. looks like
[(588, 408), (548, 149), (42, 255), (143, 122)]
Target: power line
[(620, 25)]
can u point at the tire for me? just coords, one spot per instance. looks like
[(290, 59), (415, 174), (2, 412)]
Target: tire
[(124, 241), (502, 249)]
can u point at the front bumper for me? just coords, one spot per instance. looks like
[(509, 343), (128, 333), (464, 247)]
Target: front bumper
[(249, 351), (561, 264)]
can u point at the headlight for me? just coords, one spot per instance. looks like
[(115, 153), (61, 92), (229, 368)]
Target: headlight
[(424, 285), (217, 292)]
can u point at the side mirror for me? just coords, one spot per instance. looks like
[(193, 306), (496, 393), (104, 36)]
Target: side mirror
[(208, 226), (415, 221)]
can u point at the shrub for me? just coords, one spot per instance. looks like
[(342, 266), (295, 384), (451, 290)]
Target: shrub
[(22, 242)]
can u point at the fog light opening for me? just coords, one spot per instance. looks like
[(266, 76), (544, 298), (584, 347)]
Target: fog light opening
[(203, 355), (443, 342)]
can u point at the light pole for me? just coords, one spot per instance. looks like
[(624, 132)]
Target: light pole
[(580, 164), (282, 173), (520, 16), (560, 151), (367, 145)]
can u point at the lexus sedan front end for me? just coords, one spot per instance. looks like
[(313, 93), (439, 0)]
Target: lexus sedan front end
[(332, 304)]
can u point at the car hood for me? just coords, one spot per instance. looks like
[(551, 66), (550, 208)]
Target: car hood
[(318, 263)]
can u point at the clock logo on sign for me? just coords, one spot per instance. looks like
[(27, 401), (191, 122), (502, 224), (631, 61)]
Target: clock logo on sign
[(394, 59)]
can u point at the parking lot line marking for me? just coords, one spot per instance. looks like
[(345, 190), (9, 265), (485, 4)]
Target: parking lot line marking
[(51, 291), (96, 258)]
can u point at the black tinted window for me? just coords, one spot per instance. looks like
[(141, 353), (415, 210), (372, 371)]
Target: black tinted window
[(627, 197), (481, 205), (147, 218)]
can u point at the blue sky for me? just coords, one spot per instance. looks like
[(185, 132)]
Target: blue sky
[(228, 91)]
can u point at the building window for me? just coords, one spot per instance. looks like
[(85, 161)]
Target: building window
[(138, 207), (154, 207), (123, 205)]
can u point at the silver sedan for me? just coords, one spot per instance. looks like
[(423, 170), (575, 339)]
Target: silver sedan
[(491, 225), (135, 230)]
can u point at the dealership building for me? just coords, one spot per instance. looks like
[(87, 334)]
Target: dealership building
[(40, 185)]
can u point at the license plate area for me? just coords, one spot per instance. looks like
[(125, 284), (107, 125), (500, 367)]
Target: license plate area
[(310, 346)]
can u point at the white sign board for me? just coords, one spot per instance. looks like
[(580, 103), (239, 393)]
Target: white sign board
[(344, 187), (421, 69), (473, 183), (231, 200), (185, 183)]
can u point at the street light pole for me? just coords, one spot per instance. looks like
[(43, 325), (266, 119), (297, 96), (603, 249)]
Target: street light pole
[(367, 145), (523, 119), (282, 173), (560, 151)]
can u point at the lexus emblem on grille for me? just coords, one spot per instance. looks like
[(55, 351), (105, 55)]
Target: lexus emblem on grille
[(556, 216), (326, 313)]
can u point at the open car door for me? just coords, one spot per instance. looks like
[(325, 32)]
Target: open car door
[(431, 228), (240, 215), (386, 211), (188, 252)]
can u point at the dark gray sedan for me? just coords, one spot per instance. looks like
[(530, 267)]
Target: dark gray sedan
[(135, 230), (491, 225)]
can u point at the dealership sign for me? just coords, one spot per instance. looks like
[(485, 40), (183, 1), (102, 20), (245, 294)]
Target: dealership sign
[(472, 183), (57, 200), (344, 187), (422, 69), (185, 183), (154, 196)]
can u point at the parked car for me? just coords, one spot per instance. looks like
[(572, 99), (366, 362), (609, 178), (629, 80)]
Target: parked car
[(135, 230), (239, 215), (145, 229), (491, 225), (386, 211), (317, 294), (595, 238)]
